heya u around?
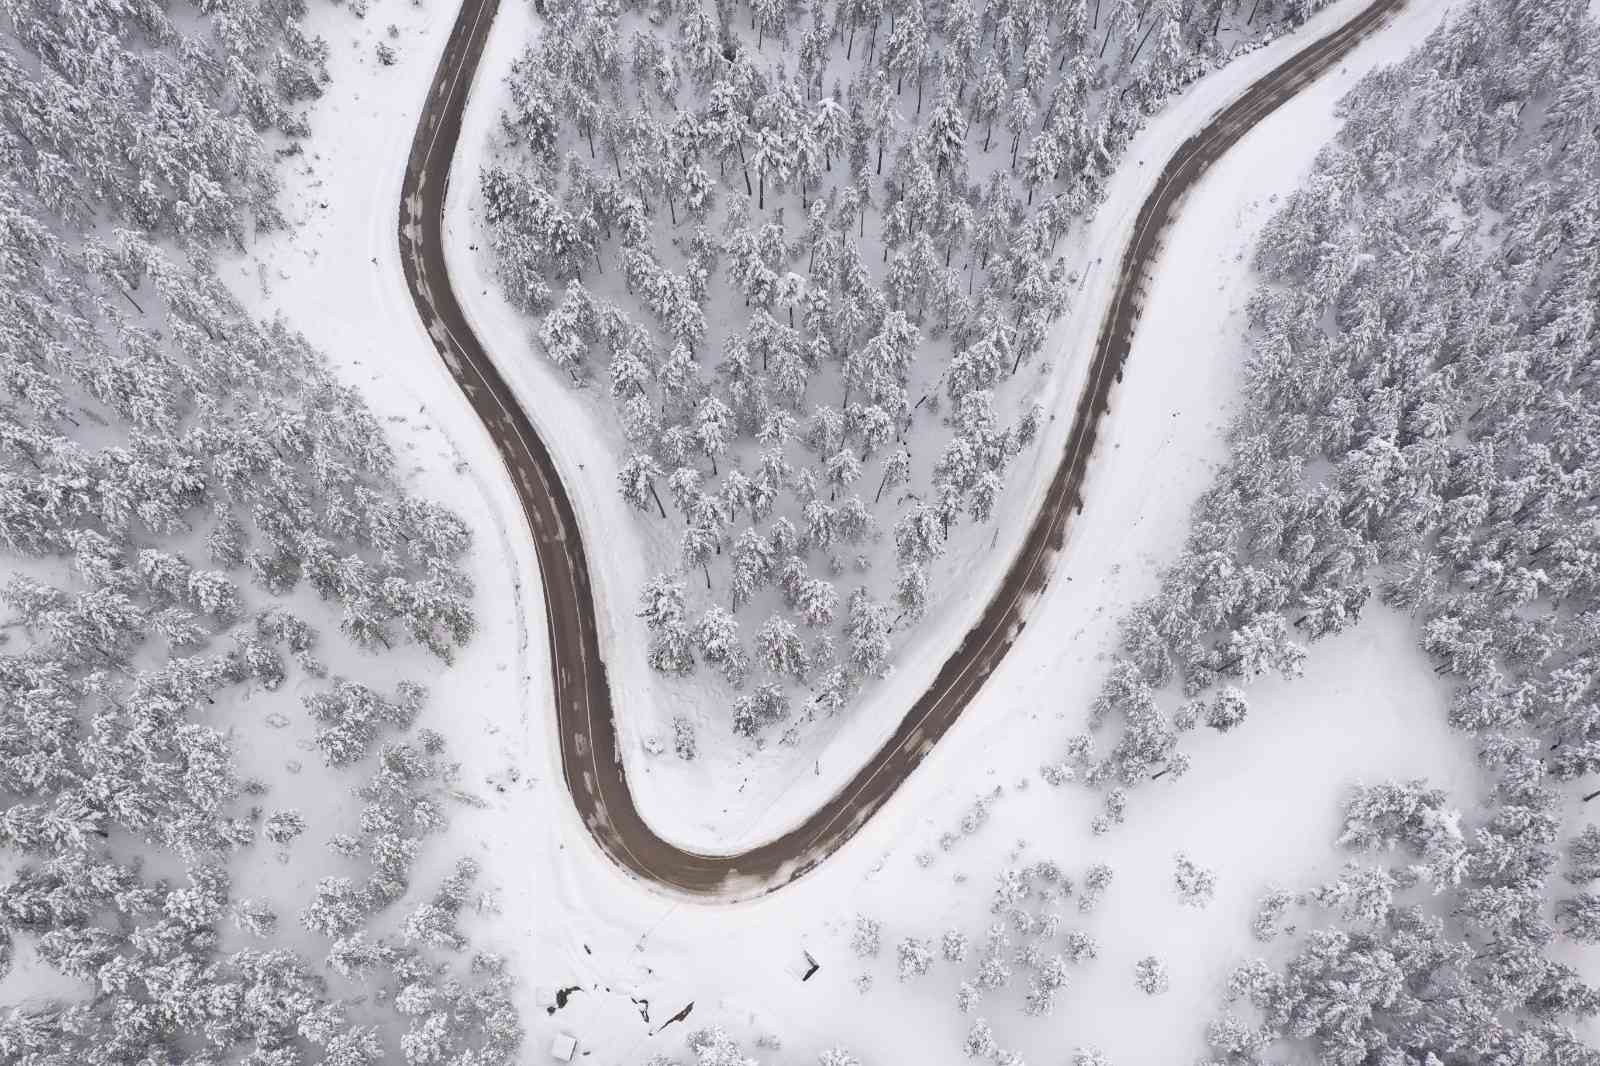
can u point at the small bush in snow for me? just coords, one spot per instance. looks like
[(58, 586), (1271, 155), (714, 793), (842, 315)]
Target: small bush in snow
[(967, 997), (344, 844), (1056, 774), (1151, 976), (683, 738), (1269, 912), (284, 826), (1228, 708), (866, 939), (1012, 887), (954, 945), (915, 958), (1196, 885), (980, 1041), (1583, 856), (337, 908), (255, 917), (1116, 806), (1080, 946), (1095, 883)]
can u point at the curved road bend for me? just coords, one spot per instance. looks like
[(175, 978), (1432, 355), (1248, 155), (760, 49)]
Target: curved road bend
[(589, 757)]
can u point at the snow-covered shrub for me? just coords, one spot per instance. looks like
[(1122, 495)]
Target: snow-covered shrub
[(915, 958), (1269, 914), (1095, 882), (866, 937), (1150, 974), (283, 826), (683, 738), (1196, 885)]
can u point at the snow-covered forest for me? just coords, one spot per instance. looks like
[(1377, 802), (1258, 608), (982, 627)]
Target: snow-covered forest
[(812, 254), (198, 518), (1418, 430), (809, 262)]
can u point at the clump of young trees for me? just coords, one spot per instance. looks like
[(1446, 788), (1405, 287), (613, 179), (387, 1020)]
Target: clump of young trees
[(811, 254)]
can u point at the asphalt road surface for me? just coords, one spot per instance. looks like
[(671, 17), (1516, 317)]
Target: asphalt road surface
[(590, 760)]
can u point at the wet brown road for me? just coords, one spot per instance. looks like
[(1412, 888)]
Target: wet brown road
[(589, 756)]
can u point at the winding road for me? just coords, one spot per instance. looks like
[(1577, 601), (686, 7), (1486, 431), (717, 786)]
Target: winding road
[(590, 761)]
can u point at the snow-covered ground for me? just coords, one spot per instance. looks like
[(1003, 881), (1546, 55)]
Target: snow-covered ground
[(1261, 806)]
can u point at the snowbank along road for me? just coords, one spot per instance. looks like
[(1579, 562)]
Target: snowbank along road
[(590, 760)]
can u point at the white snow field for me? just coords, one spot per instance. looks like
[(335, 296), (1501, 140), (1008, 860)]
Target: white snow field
[(1258, 807)]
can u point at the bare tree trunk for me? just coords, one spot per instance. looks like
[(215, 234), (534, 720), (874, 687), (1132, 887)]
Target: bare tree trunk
[(1143, 39)]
